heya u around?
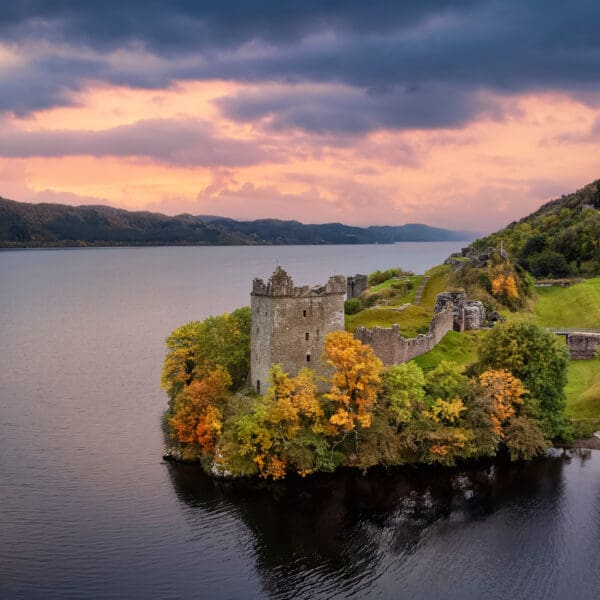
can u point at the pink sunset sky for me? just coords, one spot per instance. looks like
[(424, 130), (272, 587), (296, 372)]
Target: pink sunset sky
[(457, 114)]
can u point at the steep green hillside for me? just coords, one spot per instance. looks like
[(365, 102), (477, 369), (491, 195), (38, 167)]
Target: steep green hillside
[(583, 389), (560, 239), (573, 306)]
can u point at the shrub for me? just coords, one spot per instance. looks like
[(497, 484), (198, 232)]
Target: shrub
[(353, 306), (378, 276), (584, 428)]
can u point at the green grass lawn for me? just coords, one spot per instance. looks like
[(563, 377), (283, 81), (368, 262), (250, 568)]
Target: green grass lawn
[(583, 389), (438, 283), (399, 300), (574, 306), (458, 347), (412, 320)]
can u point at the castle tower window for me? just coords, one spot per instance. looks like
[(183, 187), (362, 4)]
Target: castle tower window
[(308, 358), (303, 313), (306, 336), (258, 386)]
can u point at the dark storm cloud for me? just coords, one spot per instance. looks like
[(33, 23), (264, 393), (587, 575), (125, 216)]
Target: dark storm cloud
[(349, 110), (436, 57), (189, 25), (176, 142)]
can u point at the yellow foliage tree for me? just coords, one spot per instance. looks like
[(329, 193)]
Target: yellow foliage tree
[(355, 381), (289, 406), (446, 411), (506, 286), (505, 391)]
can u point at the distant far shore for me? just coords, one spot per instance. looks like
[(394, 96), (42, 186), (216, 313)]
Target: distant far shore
[(25, 225), (75, 244)]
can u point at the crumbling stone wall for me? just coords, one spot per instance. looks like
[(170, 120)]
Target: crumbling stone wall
[(468, 314), (393, 349), (357, 285), (582, 346), (289, 325)]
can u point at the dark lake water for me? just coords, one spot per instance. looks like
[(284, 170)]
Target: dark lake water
[(89, 510)]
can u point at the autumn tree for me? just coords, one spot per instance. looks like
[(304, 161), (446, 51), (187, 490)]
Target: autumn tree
[(525, 439), (198, 347), (355, 382), (539, 360), (446, 381), (196, 417), (505, 286), (283, 430), (178, 367), (505, 394), (225, 341)]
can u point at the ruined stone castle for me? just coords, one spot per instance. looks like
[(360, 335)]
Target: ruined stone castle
[(289, 324)]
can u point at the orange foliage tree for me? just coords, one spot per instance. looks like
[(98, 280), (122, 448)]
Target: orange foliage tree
[(197, 416), (355, 381), (505, 286)]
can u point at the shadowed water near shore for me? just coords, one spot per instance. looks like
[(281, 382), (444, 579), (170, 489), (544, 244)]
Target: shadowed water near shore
[(403, 532)]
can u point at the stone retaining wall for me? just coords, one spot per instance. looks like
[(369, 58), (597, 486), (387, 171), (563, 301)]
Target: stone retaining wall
[(582, 346), (393, 349)]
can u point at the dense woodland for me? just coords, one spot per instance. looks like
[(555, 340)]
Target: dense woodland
[(39, 225), (560, 239)]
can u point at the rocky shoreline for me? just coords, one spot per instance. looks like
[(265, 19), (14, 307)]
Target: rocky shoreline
[(592, 443)]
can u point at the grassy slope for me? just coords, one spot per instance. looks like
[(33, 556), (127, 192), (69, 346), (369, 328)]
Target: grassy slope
[(458, 347), (575, 306), (412, 320), (578, 305), (583, 389), (408, 297), (438, 283)]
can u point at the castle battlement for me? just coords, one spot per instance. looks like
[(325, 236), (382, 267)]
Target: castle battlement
[(281, 285), (289, 325)]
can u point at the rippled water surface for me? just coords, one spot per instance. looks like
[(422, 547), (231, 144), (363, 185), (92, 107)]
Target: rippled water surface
[(88, 509)]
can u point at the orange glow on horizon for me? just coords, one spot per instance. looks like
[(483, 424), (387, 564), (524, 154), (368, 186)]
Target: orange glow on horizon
[(477, 177)]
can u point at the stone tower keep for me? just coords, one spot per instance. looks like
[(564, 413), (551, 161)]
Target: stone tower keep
[(289, 325)]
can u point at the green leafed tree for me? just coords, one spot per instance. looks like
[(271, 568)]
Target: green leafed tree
[(225, 341), (446, 381), (198, 347), (403, 390), (178, 368), (539, 359)]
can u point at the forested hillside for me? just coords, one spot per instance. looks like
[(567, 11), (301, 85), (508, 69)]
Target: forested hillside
[(39, 225), (560, 239)]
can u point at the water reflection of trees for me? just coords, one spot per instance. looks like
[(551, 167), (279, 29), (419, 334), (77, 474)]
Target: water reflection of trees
[(331, 531)]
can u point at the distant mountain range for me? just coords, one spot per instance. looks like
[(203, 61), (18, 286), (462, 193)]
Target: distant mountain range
[(46, 225)]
